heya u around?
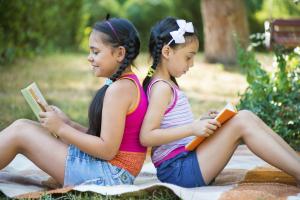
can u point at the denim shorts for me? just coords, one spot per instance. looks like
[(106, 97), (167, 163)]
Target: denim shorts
[(81, 168), (182, 170)]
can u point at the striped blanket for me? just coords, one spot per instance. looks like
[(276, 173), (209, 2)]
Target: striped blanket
[(244, 177)]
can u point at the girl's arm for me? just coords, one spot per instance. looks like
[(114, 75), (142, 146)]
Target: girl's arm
[(78, 126), (153, 135), (67, 120), (119, 97)]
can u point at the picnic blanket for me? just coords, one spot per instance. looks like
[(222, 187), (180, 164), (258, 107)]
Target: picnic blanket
[(245, 177)]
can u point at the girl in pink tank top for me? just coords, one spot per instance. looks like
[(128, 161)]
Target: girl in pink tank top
[(108, 151)]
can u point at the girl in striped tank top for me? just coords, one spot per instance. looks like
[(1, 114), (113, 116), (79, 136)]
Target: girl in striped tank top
[(169, 123), (108, 152)]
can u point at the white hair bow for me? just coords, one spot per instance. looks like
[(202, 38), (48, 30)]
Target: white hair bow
[(183, 28)]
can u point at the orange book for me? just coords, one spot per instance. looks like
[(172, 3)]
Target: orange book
[(226, 113)]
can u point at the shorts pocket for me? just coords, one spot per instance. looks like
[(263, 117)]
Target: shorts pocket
[(121, 175), (115, 171)]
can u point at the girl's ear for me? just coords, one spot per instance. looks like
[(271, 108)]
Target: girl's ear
[(166, 51), (120, 53)]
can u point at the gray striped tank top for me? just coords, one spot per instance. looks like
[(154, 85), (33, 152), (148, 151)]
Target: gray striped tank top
[(178, 113)]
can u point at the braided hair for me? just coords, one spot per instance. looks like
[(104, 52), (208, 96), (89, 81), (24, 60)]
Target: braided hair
[(119, 32), (159, 36)]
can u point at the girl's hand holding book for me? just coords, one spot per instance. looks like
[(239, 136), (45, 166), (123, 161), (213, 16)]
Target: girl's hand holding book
[(61, 114), (205, 127), (211, 114), (51, 120)]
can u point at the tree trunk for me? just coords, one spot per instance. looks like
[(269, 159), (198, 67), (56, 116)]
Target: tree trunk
[(222, 19)]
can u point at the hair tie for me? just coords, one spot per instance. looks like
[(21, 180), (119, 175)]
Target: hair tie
[(150, 72), (108, 82)]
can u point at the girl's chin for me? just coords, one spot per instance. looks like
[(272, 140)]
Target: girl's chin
[(97, 73), (100, 75), (178, 75)]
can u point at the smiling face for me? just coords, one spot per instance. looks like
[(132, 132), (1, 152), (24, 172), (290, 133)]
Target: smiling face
[(102, 57), (180, 59)]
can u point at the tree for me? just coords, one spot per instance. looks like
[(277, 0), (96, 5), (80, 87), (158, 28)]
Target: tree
[(222, 20)]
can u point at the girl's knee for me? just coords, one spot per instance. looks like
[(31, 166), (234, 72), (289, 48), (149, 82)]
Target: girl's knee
[(247, 114), (19, 123), (21, 126), (243, 119)]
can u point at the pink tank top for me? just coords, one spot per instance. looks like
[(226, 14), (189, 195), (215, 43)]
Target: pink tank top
[(132, 154)]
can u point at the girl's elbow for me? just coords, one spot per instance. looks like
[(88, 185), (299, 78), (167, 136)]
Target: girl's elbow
[(144, 141), (109, 155)]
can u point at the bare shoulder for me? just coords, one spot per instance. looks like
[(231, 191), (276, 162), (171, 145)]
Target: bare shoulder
[(161, 90), (123, 88)]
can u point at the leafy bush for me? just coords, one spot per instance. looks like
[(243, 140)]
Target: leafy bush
[(274, 97), (32, 27)]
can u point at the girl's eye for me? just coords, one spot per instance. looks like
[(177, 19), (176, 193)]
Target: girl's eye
[(95, 52)]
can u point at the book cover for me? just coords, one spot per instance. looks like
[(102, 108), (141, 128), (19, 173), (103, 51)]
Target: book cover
[(32, 95), (224, 115)]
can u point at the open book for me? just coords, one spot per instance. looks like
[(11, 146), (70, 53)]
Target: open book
[(32, 95), (224, 115)]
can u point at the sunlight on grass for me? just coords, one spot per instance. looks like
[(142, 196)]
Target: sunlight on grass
[(209, 86), (64, 79), (67, 81)]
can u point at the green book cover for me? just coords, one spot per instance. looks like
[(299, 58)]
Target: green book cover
[(31, 94)]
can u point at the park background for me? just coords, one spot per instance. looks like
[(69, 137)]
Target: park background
[(46, 41)]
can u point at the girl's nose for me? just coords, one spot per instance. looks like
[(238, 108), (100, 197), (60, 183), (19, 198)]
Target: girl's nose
[(90, 58)]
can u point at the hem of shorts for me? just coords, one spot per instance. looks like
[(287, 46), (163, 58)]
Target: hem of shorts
[(157, 164), (66, 166), (199, 171)]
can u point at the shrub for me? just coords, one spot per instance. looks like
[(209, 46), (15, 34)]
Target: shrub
[(274, 97)]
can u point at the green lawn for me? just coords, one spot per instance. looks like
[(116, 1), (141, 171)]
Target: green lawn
[(66, 81)]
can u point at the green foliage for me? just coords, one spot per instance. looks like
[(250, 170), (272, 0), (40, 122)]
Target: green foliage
[(274, 97), (32, 27), (144, 14), (254, 6), (273, 9), (258, 11)]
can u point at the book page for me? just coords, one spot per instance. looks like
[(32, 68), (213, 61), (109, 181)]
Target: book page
[(31, 95), (38, 93)]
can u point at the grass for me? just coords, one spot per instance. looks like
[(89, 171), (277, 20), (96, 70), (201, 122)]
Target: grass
[(153, 193), (66, 81)]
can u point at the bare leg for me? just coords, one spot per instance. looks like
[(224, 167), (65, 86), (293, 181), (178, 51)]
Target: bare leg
[(216, 151), (35, 142)]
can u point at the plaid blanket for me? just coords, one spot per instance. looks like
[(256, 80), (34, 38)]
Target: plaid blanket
[(245, 177)]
